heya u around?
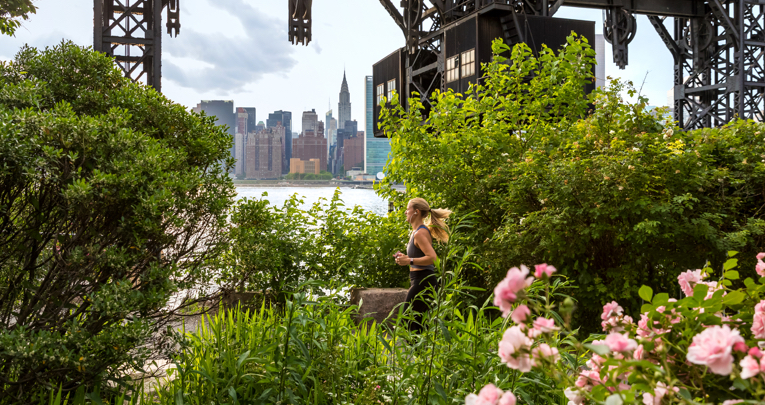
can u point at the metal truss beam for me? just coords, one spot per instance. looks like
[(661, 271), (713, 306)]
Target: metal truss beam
[(131, 32), (672, 8)]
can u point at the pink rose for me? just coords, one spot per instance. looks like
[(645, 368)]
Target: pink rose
[(544, 351), (520, 314), (740, 347), (587, 377), (489, 395), (760, 255), (750, 367), (545, 325), (658, 394), (515, 348), (508, 398), (760, 268), (758, 323), (543, 268), (732, 401), (506, 292), (755, 352), (713, 348), (688, 280), (574, 396), (611, 309), (620, 343), (639, 353)]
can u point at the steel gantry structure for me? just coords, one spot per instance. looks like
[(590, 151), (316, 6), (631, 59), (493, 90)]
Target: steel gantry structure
[(718, 46), (131, 32)]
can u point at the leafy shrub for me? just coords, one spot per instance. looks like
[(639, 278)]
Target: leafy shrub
[(112, 200), (704, 348), (277, 248), (617, 199), (312, 352)]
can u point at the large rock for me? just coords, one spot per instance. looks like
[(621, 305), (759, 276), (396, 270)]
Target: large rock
[(376, 302)]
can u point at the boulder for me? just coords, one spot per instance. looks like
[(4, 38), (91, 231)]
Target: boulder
[(376, 302)]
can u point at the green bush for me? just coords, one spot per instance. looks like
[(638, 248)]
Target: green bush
[(312, 352), (617, 199), (276, 248), (112, 200)]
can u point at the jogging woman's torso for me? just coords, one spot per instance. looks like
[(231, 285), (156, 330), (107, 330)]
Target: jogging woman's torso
[(414, 252)]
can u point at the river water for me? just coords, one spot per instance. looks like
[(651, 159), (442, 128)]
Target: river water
[(366, 198)]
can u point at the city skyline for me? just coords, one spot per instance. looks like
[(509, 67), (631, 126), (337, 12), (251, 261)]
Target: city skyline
[(238, 50)]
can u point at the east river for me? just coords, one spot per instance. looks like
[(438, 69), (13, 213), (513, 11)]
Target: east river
[(366, 198)]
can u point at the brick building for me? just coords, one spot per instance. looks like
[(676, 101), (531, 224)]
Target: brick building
[(311, 144), (353, 152), (305, 166), (264, 154)]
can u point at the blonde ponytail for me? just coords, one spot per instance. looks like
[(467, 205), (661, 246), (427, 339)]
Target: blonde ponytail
[(433, 218)]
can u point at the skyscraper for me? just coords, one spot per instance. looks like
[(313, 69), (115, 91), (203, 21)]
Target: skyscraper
[(600, 58), (376, 150), (240, 140), (264, 154), (344, 106), (310, 121), (285, 117), (223, 111)]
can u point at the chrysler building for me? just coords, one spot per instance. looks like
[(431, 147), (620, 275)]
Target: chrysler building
[(344, 106)]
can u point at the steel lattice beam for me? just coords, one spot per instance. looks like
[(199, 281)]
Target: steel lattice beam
[(131, 32)]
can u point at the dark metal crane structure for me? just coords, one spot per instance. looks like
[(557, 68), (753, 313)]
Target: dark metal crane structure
[(718, 46)]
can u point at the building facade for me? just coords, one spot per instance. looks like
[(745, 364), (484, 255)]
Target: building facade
[(305, 166), (353, 152), (283, 118), (310, 145), (310, 121), (376, 150), (344, 106), (223, 111), (264, 155)]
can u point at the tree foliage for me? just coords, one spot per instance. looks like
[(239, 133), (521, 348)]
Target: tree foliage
[(608, 191), (277, 248), (112, 201), (11, 11)]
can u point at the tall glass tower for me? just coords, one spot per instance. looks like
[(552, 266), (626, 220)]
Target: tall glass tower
[(376, 150)]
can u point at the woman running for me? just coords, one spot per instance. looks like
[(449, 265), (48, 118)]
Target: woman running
[(426, 224)]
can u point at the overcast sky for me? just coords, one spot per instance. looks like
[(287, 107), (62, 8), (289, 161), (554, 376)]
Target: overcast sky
[(238, 50)]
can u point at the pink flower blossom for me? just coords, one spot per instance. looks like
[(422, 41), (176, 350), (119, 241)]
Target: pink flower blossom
[(713, 348), (750, 367), (520, 314), (595, 362), (545, 325), (658, 394), (508, 398), (543, 353), (489, 395), (688, 280), (740, 347), (639, 353), (588, 377), (732, 401), (515, 348), (760, 268), (611, 309), (758, 323), (620, 343), (506, 292), (755, 352), (760, 255), (575, 397), (543, 268)]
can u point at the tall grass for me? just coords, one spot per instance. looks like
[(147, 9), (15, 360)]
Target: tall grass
[(311, 352)]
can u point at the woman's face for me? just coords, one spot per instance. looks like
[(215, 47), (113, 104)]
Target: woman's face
[(409, 213)]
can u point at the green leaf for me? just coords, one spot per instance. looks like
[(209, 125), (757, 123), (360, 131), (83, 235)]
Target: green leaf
[(445, 331), (733, 298), (685, 394), (646, 293), (700, 291), (732, 253), (599, 349), (731, 275), (731, 263), (441, 391)]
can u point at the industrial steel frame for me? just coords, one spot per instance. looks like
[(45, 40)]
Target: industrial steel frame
[(718, 46)]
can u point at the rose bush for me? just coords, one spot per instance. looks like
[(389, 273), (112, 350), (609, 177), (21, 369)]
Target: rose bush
[(703, 348)]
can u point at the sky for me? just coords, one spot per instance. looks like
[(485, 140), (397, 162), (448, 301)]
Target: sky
[(238, 50)]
